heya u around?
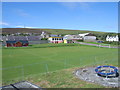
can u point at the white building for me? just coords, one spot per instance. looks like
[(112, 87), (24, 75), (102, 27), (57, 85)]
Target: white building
[(72, 37), (43, 34), (83, 35), (55, 39), (89, 38), (112, 38)]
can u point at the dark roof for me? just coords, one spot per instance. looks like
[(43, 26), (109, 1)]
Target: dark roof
[(21, 30), (54, 35), (17, 41), (90, 34), (22, 84)]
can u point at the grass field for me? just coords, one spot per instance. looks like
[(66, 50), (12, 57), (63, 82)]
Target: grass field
[(33, 62)]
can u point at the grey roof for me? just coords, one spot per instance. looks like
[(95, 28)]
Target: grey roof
[(22, 84), (29, 38)]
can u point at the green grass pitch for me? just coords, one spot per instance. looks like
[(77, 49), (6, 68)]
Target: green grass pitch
[(36, 59)]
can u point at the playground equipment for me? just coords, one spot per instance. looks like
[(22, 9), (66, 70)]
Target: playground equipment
[(107, 71)]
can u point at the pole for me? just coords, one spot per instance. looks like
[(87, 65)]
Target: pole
[(99, 45), (65, 64), (22, 72), (106, 76), (46, 67), (95, 61), (109, 45), (80, 62)]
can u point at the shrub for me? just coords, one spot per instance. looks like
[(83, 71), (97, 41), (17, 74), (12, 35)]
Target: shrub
[(79, 40), (44, 39)]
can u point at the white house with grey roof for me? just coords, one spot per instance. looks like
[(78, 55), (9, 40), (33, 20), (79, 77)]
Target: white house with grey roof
[(112, 38)]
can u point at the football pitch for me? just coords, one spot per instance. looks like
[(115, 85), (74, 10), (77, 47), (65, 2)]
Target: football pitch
[(19, 63)]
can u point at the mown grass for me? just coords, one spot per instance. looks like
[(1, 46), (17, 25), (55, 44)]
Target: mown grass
[(103, 44), (61, 79), (20, 63)]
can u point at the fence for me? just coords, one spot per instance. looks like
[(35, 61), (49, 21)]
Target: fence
[(19, 73), (98, 45), (38, 42), (30, 42)]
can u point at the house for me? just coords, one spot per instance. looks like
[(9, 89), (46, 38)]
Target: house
[(55, 39), (112, 38), (71, 38), (89, 38), (68, 39), (19, 43), (44, 35)]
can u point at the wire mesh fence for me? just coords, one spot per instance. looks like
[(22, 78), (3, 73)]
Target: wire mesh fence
[(19, 73)]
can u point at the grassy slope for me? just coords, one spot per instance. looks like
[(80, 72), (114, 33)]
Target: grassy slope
[(65, 31), (52, 31), (103, 44), (61, 79), (34, 59)]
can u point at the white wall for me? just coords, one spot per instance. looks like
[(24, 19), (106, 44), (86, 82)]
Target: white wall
[(90, 38)]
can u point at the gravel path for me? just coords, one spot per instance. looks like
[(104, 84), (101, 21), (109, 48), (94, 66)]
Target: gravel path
[(89, 75)]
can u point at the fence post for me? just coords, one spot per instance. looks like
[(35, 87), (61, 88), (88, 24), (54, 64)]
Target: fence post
[(109, 45), (65, 64), (95, 61), (22, 72), (99, 45), (80, 62), (46, 67)]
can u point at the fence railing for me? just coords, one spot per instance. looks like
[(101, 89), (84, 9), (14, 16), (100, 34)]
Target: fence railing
[(98, 45), (19, 73)]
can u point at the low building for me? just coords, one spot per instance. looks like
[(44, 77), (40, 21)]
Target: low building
[(44, 35), (55, 39), (71, 38), (19, 43), (89, 38)]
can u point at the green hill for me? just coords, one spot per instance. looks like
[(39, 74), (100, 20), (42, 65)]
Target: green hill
[(66, 31), (51, 31)]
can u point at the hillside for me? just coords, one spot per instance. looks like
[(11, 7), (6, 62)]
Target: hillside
[(51, 31), (66, 31), (20, 30)]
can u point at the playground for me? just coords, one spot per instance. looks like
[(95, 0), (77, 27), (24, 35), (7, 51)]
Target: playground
[(103, 77)]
